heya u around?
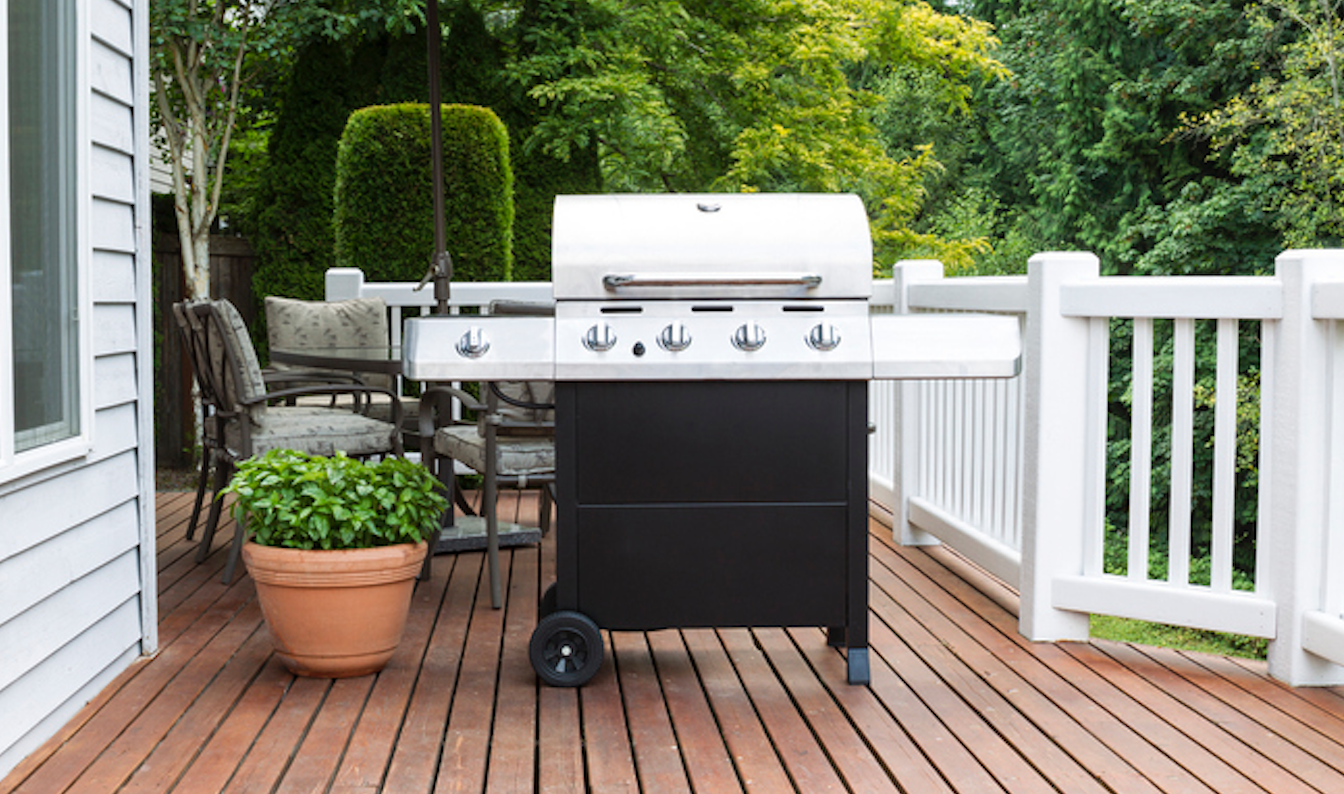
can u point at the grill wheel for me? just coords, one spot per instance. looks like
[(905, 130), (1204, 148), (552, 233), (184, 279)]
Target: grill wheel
[(566, 649)]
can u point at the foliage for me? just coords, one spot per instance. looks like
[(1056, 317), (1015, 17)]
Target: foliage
[(1286, 130), (752, 95), (329, 80), (1090, 145), (199, 53), (1087, 147), (384, 215), (299, 501), (1212, 227), (291, 227)]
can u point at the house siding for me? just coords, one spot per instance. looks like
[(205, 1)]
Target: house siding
[(77, 589)]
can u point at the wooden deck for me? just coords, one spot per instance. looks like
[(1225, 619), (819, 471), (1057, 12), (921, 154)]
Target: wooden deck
[(958, 703)]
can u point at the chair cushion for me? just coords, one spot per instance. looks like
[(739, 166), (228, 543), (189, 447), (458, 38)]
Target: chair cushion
[(233, 335), (305, 325), (518, 456), (317, 431)]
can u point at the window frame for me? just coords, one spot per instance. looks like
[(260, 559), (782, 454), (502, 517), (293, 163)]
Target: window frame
[(15, 464)]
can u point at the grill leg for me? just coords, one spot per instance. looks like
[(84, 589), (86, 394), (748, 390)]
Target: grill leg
[(858, 666)]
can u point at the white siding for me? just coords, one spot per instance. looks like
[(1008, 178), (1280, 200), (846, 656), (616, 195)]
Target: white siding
[(77, 588)]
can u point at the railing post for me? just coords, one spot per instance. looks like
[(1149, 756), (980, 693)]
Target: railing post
[(1054, 476), (1298, 460), (344, 283), (905, 468)]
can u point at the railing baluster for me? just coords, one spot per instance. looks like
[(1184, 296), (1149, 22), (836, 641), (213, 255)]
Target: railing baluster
[(1182, 449), (1264, 465), (1140, 447), (1333, 598), (1094, 500), (1224, 456)]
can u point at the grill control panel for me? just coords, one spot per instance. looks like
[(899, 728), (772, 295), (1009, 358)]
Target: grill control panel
[(671, 340), (714, 340)]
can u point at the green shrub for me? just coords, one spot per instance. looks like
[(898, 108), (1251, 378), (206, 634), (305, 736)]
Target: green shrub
[(291, 227), (383, 214)]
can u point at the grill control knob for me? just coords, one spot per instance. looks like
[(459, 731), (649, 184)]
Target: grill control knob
[(823, 337), (674, 337), (749, 337), (473, 343), (600, 338)]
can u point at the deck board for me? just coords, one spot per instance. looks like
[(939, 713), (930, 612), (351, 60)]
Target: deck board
[(959, 701)]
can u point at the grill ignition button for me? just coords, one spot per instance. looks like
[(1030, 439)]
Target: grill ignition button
[(638, 349)]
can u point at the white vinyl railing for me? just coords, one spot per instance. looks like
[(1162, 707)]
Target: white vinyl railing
[(1014, 474), (1067, 396), (954, 455)]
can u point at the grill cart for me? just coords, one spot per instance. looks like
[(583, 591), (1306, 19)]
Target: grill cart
[(711, 355)]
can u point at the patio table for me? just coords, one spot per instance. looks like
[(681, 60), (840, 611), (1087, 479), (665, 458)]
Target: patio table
[(382, 359), (458, 532)]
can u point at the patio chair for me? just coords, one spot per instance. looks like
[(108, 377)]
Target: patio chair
[(210, 432), (248, 424), (323, 325), (511, 443), (211, 422)]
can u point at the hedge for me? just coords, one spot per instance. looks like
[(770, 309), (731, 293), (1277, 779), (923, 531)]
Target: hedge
[(291, 230), (383, 209)]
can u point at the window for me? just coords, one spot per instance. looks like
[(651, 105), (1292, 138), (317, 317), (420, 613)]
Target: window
[(45, 357)]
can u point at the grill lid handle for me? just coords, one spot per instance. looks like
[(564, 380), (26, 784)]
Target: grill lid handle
[(614, 282)]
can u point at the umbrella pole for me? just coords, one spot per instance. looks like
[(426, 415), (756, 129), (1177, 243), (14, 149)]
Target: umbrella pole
[(442, 262)]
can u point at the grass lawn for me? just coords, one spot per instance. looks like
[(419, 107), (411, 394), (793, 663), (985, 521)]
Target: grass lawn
[(1144, 633)]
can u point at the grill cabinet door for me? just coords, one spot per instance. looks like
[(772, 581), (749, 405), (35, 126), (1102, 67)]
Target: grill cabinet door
[(712, 503)]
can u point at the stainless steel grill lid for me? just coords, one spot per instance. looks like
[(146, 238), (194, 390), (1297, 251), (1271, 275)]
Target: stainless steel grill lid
[(698, 246)]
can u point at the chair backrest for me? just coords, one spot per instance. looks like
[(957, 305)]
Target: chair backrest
[(212, 413), (314, 325), (189, 342), (537, 398), (538, 395), (226, 361)]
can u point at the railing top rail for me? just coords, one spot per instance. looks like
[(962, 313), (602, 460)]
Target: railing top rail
[(1170, 297), (476, 293), (343, 283), (1327, 300), (1006, 294)]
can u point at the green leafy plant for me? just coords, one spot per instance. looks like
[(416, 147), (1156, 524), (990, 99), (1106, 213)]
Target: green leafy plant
[(301, 501)]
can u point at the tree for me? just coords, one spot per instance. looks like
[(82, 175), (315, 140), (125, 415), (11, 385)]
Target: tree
[(201, 51), (1285, 132), (741, 96), (1087, 144)]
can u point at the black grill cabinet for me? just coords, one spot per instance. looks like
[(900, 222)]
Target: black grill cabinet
[(714, 504)]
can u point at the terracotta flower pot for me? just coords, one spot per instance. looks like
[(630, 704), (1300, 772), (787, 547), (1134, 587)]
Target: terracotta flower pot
[(335, 614)]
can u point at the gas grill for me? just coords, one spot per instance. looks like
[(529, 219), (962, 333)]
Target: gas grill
[(711, 355)]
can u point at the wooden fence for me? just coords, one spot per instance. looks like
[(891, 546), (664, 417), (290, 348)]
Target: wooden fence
[(231, 263)]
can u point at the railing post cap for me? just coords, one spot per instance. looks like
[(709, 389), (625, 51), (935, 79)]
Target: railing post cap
[(1328, 257), (1056, 258)]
